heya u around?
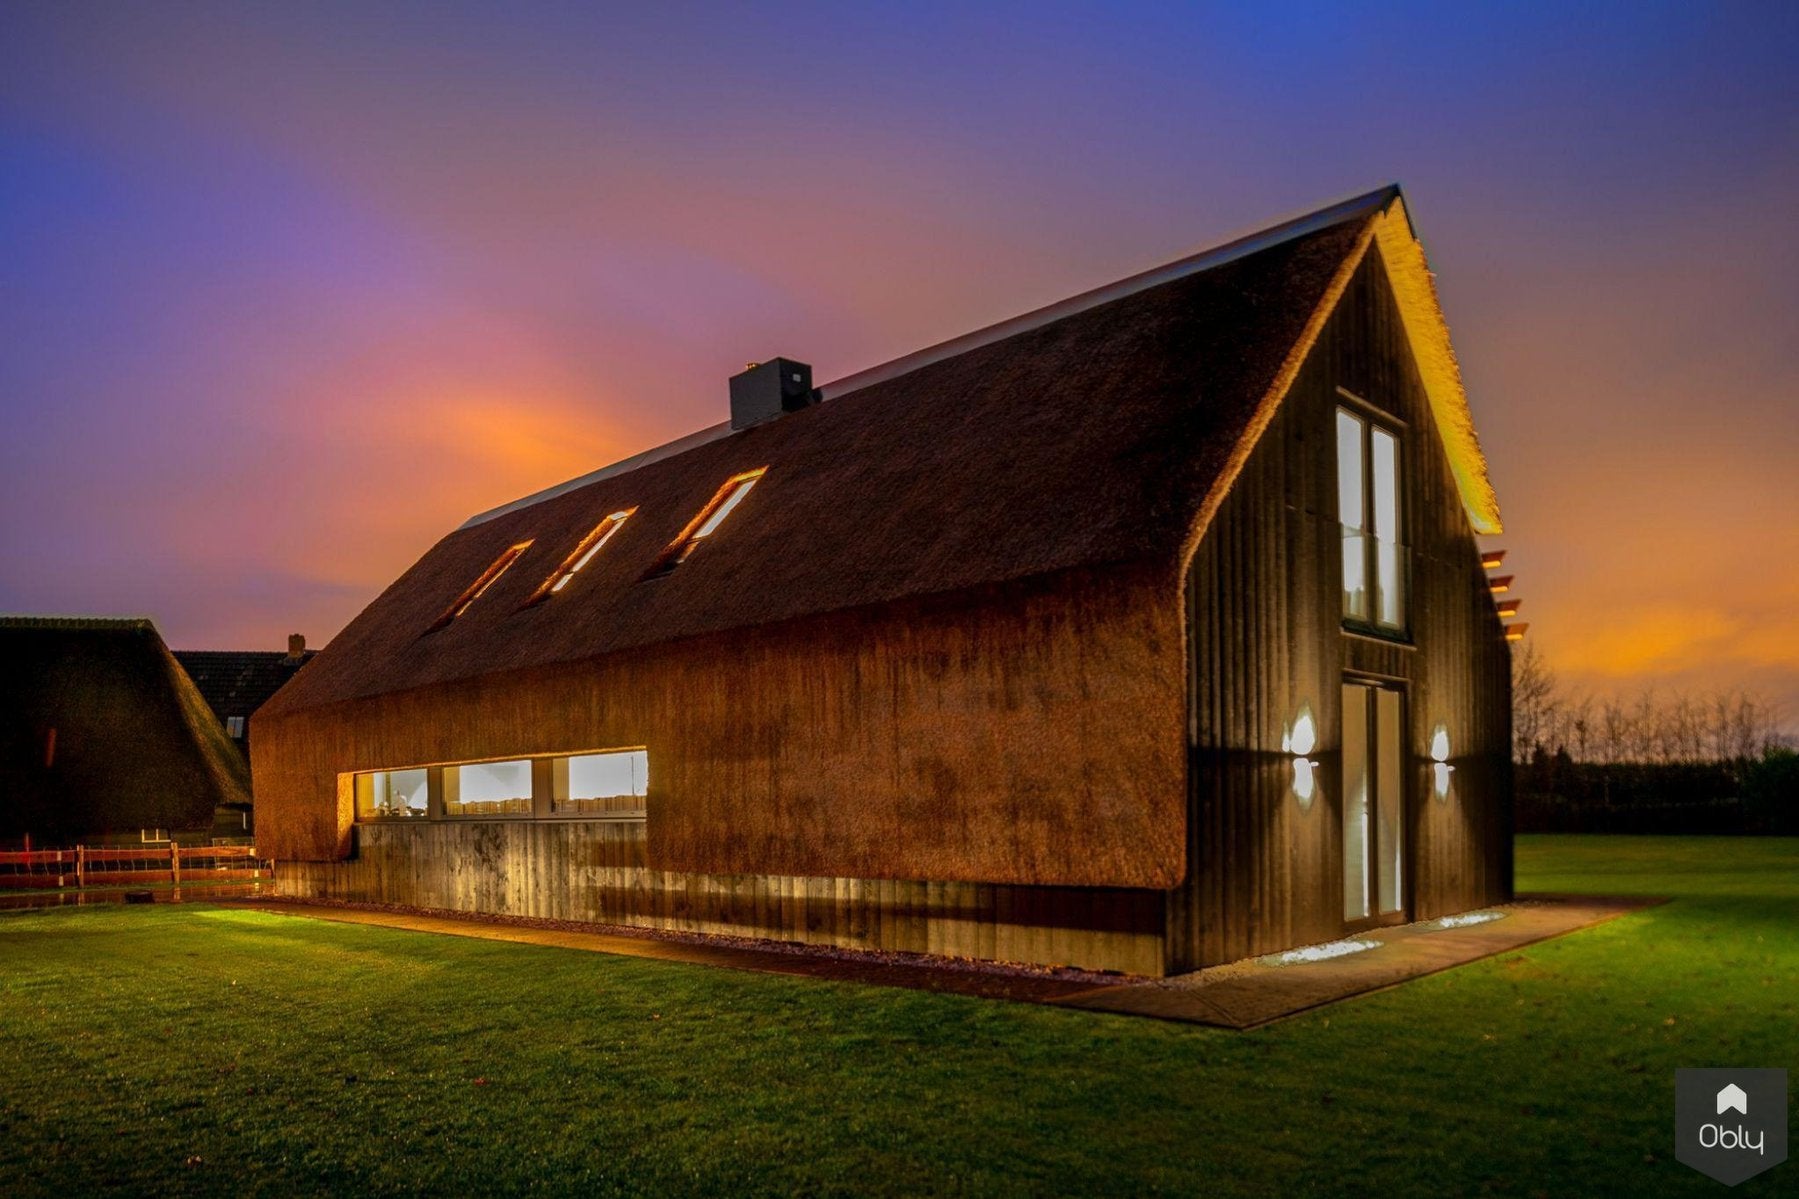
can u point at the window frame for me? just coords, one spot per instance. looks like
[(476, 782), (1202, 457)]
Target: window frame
[(723, 502), (1372, 420), (544, 790), (478, 588), (355, 782), (583, 553)]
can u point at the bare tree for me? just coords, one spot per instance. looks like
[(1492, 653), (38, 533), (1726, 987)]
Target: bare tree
[(1535, 702), (1731, 727)]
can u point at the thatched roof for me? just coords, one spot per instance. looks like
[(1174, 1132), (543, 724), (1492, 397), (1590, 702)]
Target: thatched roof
[(135, 746), (238, 682), (1101, 430)]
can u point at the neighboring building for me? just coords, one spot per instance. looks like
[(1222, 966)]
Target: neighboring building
[(103, 734), (1141, 632), (235, 683)]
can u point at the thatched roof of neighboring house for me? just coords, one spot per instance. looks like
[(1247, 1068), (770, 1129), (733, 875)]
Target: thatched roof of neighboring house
[(102, 731), (1105, 429), (235, 683)]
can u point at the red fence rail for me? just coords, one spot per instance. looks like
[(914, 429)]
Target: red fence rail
[(42, 869)]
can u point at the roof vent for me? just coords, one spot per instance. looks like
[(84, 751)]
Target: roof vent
[(767, 389)]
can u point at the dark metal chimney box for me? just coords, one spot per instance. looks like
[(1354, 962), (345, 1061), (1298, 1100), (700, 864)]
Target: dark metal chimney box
[(767, 389)]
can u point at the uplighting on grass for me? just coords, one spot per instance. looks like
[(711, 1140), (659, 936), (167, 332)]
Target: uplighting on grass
[(1319, 953)]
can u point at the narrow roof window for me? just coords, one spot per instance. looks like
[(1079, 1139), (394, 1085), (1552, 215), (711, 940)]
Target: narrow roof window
[(487, 579), (580, 556), (703, 525)]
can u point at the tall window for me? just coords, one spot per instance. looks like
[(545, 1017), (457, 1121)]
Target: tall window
[(1374, 561), (733, 493), (581, 555), (488, 577)]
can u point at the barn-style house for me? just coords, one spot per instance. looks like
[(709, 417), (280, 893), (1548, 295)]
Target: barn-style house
[(1142, 632)]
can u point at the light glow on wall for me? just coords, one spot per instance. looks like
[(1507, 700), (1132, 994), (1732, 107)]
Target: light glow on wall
[(1300, 741), (1439, 755)]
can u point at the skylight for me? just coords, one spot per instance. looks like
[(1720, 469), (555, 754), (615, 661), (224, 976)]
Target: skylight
[(706, 523), (580, 556), (487, 579)]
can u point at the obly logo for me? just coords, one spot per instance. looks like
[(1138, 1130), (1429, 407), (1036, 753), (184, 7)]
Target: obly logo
[(1730, 1124)]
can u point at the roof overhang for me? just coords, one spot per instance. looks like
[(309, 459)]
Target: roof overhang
[(1415, 290)]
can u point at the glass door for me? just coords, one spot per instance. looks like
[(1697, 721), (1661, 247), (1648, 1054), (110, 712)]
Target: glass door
[(1373, 803)]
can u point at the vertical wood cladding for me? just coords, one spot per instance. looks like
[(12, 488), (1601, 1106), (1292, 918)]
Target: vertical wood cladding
[(1265, 641), (598, 871)]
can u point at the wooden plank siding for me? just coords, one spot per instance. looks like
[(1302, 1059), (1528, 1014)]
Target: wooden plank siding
[(1264, 606), (596, 871)]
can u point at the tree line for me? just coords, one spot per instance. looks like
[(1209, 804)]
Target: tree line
[(1651, 727), (1652, 763)]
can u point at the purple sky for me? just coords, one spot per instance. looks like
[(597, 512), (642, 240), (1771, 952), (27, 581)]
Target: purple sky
[(287, 291)]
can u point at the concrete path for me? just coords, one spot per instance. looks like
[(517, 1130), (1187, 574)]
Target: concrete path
[(1252, 993)]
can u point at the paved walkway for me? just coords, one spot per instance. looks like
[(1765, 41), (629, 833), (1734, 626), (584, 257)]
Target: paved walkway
[(1241, 995), (1259, 991)]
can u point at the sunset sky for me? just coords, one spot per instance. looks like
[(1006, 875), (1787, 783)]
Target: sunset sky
[(288, 291)]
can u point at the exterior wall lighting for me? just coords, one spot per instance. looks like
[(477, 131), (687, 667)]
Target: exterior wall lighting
[(1300, 741), (1439, 756)]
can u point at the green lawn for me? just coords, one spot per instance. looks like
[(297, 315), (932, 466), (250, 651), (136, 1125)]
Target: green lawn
[(192, 1049)]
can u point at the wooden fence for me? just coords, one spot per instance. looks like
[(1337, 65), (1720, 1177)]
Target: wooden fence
[(46, 869)]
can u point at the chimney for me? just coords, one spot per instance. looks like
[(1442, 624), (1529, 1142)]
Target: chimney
[(296, 647), (767, 389)]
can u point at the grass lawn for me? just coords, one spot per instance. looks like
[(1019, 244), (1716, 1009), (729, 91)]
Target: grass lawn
[(194, 1049)]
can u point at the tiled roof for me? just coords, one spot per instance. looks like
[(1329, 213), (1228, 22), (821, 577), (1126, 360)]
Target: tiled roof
[(237, 682)]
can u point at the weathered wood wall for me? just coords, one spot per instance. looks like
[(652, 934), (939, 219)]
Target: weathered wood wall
[(1265, 639), (1026, 734), (597, 871)]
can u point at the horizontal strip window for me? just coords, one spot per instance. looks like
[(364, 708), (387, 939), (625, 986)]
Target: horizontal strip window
[(607, 785), (393, 795)]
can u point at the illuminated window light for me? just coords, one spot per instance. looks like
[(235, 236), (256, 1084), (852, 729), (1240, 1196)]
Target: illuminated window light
[(1515, 632), (1492, 558), (580, 556), (1499, 584), (1466, 919), (1507, 608), (706, 523), (1368, 507), (1319, 953), (487, 579)]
